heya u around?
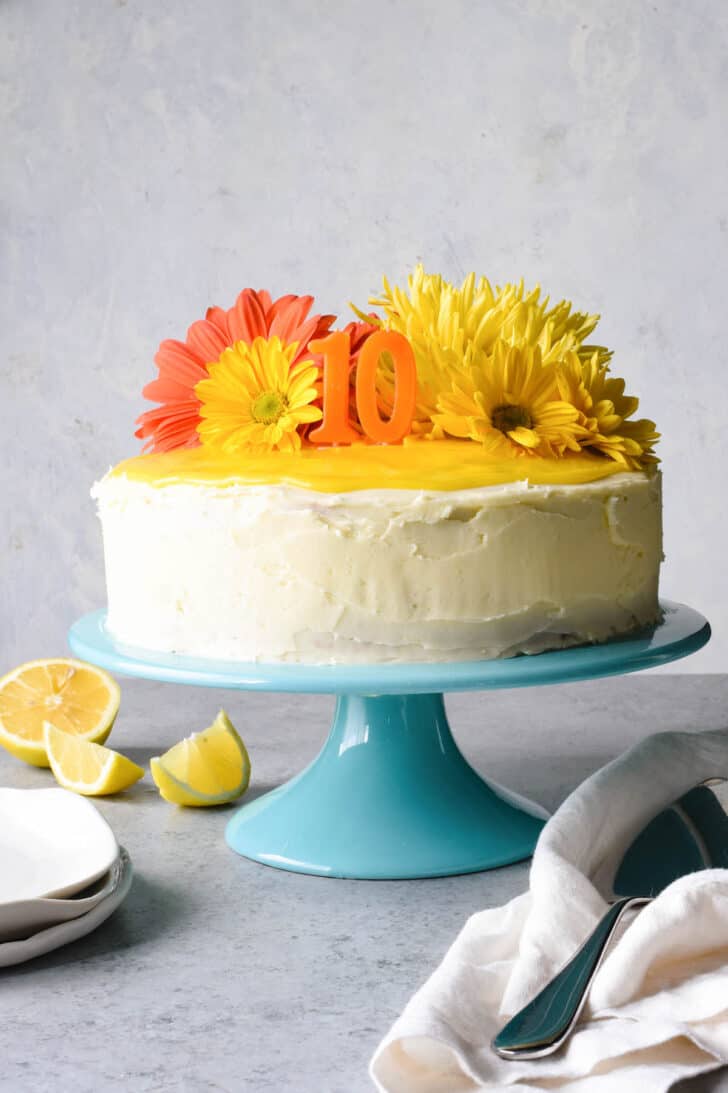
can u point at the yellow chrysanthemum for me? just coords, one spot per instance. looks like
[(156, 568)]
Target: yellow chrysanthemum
[(453, 328), (604, 410), (510, 402), (255, 398)]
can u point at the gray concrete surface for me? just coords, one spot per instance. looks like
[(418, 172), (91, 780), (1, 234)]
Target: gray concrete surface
[(221, 975)]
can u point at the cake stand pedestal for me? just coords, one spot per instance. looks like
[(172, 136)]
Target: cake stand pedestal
[(390, 795)]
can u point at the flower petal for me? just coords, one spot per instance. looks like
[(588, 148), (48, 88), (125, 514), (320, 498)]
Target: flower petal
[(246, 318), (206, 340)]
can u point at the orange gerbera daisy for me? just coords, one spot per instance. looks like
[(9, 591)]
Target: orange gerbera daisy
[(182, 365)]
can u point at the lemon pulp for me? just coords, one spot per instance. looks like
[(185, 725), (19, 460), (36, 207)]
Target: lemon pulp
[(208, 768), (88, 768), (73, 696)]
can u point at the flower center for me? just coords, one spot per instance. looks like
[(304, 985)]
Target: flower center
[(269, 407), (507, 418)]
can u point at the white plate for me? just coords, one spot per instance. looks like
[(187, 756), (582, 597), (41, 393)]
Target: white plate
[(52, 843), (16, 952), (24, 917)]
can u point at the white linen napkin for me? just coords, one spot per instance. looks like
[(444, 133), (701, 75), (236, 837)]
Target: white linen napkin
[(658, 1007)]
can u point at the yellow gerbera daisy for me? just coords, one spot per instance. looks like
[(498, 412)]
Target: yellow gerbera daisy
[(256, 398), (452, 328), (604, 409), (510, 402)]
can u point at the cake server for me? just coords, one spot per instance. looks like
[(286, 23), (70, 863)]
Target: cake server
[(690, 835)]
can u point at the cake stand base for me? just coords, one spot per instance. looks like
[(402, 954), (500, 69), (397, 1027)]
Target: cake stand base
[(389, 796)]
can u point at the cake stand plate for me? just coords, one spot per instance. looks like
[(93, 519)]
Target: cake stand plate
[(390, 795)]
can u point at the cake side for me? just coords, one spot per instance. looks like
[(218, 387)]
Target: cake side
[(285, 574)]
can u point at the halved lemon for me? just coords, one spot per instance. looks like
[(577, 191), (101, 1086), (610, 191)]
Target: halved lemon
[(211, 767), (69, 694), (86, 767)]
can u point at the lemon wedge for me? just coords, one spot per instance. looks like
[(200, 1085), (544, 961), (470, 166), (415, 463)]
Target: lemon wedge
[(86, 767), (71, 695), (208, 768)]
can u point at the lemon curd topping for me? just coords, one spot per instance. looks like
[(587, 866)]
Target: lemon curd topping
[(415, 465)]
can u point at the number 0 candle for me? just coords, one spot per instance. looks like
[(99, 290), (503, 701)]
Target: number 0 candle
[(405, 387)]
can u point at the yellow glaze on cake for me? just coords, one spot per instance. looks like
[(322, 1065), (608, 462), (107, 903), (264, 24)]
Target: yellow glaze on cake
[(415, 465)]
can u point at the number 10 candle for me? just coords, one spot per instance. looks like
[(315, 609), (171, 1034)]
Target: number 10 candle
[(336, 428)]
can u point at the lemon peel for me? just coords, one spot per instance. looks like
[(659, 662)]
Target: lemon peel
[(211, 767), (87, 768)]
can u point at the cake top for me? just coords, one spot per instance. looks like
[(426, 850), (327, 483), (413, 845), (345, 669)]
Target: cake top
[(496, 381)]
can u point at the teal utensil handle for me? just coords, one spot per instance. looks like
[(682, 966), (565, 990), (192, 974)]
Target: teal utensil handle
[(543, 1025)]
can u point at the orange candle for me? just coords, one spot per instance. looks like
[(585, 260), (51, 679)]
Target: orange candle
[(405, 387), (335, 427)]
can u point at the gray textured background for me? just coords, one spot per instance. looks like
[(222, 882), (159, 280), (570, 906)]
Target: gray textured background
[(157, 157)]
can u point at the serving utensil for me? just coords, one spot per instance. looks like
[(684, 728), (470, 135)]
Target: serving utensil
[(688, 836)]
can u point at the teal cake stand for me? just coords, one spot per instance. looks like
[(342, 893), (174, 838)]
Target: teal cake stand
[(390, 795)]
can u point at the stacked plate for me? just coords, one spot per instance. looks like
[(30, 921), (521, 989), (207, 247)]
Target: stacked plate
[(62, 872)]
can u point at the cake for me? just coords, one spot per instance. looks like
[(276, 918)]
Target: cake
[(458, 476)]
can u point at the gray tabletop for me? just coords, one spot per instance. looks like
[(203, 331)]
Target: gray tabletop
[(221, 974)]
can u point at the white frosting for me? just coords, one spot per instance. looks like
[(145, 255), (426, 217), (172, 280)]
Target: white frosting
[(277, 573)]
